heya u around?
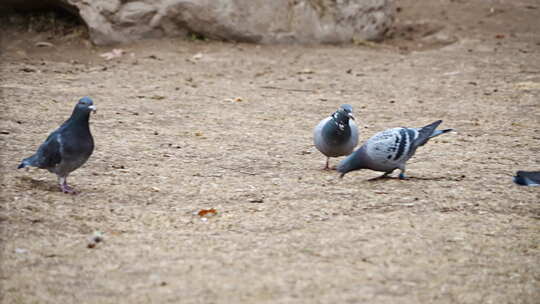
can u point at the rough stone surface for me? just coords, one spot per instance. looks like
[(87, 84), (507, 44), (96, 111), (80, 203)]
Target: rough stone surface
[(261, 21)]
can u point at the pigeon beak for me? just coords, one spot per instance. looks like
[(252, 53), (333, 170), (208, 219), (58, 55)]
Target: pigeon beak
[(93, 108), (351, 116)]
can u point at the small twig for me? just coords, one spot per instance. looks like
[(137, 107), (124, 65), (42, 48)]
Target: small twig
[(286, 89), (236, 170), (201, 95)]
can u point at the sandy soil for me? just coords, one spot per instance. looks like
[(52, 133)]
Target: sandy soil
[(171, 140)]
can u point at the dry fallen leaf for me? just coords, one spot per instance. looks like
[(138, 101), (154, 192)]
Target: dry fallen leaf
[(207, 212), (236, 99), (43, 44), (115, 53), (528, 85), (306, 71)]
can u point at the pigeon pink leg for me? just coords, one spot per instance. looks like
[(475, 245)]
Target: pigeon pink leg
[(327, 166), (65, 187)]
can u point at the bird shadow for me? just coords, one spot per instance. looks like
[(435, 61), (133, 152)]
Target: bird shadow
[(409, 178), (331, 169), (38, 184)]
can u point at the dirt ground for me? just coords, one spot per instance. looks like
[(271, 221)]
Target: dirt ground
[(189, 125)]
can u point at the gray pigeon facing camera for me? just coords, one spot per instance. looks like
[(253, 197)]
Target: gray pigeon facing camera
[(336, 135), (68, 147), (390, 149)]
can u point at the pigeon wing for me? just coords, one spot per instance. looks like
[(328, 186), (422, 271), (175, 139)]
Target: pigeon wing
[(48, 154)]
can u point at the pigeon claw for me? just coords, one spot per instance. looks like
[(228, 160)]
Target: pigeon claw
[(67, 189)]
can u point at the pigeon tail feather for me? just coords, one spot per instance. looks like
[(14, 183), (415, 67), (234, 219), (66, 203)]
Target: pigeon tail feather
[(429, 131)]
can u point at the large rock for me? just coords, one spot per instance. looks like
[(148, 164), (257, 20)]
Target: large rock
[(261, 21)]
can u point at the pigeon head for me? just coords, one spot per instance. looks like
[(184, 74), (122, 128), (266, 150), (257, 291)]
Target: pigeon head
[(85, 105), (347, 108), (342, 115), (82, 110)]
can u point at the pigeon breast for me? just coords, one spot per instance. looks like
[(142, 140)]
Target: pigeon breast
[(333, 142)]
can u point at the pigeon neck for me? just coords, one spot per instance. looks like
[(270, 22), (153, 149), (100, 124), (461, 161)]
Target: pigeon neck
[(80, 117), (341, 124), (363, 158), (355, 161)]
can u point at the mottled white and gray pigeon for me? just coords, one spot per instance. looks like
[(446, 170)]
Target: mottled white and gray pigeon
[(336, 135), (68, 147), (390, 149), (527, 178)]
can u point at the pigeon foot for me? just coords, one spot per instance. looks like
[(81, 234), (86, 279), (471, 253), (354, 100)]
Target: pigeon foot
[(327, 165), (67, 189)]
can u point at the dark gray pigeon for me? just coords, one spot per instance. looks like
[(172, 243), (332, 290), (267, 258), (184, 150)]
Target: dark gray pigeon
[(336, 135), (390, 149), (527, 178), (68, 147)]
